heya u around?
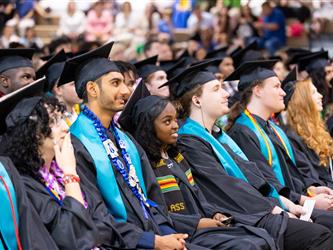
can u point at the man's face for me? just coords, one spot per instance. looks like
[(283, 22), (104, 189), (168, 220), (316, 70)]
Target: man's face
[(165, 52), (112, 93), (129, 80), (68, 94), (155, 80), (17, 78)]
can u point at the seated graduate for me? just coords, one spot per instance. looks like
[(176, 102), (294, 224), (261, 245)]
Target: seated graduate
[(63, 91), (215, 169), (157, 117), (16, 69), (21, 226), (305, 127), (153, 76), (44, 156), (110, 163), (265, 143)]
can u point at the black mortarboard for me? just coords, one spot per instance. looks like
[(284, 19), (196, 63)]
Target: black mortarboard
[(176, 68), (147, 66), (48, 57), (288, 85), (217, 53), (88, 67), (250, 71), (213, 65), (249, 53), (15, 58), (125, 118), (143, 105), (52, 69), (296, 54), (168, 64), (190, 78), (313, 61), (8, 102), (188, 58)]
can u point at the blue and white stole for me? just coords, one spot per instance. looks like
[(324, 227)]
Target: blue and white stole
[(9, 220), (83, 128), (191, 127)]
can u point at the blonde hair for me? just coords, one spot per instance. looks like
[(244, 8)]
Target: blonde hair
[(305, 119)]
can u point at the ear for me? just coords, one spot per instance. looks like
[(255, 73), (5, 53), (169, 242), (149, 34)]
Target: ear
[(257, 90), (92, 89), (4, 81), (57, 90), (196, 101)]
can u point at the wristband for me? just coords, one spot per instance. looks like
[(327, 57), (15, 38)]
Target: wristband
[(309, 193), (71, 178)]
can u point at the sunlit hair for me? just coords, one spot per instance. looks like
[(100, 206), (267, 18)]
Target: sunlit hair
[(305, 119)]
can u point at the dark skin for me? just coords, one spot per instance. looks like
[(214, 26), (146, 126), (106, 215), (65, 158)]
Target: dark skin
[(13, 79), (166, 128), (106, 96)]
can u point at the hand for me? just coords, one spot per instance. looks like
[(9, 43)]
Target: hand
[(320, 190), (297, 210), (170, 242), (65, 157), (207, 222), (292, 216), (323, 201), (277, 210), (220, 217)]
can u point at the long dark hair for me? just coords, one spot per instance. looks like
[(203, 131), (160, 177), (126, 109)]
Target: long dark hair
[(145, 132), (240, 105), (23, 141)]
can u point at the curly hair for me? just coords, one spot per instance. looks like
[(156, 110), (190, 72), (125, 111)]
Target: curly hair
[(24, 140), (305, 119), (145, 132), (239, 106)]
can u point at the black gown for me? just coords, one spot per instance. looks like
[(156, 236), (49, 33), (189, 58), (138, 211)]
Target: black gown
[(318, 171), (138, 232), (33, 233), (239, 236), (297, 179), (244, 202)]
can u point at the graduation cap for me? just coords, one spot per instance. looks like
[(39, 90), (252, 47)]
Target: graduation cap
[(213, 65), (48, 57), (143, 105), (294, 56), (251, 71), (217, 53), (88, 67), (189, 79), (52, 69), (249, 53), (125, 118), (174, 69), (8, 102), (147, 66), (313, 61), (288, 85), (15, 58), (188, 58)]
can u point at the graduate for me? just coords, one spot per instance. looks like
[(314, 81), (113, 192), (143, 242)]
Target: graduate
[(21, 226), (153, 76), (44, 156), (129, 72), (158, 118), (16, 69), (63, 91), (110, 163), (265, 143), (305, 127), (215, 166)]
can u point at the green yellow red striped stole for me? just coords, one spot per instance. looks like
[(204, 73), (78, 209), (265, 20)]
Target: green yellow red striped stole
[(190, 177), (167, 183)]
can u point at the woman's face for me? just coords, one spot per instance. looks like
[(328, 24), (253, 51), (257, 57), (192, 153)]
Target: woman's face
[(166, 126), (214, 99), (316, 97), (59, 130)]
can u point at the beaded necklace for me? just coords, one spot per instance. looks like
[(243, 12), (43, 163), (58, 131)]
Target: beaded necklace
[(128, 173)]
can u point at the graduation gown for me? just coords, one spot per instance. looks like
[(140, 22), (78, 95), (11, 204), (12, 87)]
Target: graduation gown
[(33, 233), (238, 236), (295, 179), (323, 173), (244, 202), (137, 232)]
